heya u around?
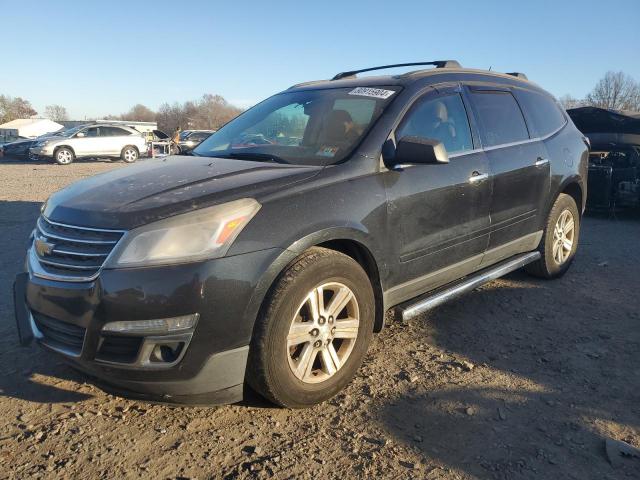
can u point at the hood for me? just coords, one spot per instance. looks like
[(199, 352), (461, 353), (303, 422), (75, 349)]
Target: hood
[(154, 189), (21, 142), (600, 120)]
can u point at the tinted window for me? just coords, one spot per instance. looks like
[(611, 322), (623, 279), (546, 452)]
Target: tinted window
[(199, 136), (113, 132), (500, 118), (91, 132), (442, 118), (543, 114)]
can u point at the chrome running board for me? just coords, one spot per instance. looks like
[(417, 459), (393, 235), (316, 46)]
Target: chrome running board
[(413, 308)]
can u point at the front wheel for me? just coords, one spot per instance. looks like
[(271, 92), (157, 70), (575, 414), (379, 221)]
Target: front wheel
[(64, 156), (314, 330), (129, 154), (560, 239)]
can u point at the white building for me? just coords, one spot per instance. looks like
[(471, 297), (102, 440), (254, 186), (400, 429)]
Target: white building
[(28, 127)]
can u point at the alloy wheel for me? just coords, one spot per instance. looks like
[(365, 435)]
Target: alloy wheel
[(130, 155), (563, 237), (64, 157), (323, 332)]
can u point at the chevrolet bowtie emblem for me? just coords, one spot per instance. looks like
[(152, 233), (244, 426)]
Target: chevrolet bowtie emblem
[(43, 247)]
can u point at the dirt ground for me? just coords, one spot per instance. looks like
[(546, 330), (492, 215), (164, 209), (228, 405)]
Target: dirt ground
[(520, 379)]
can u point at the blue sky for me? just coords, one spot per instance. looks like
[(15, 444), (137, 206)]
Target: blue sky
[(97, 58)]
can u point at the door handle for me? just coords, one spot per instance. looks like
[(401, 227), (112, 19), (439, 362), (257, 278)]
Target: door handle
[(477, 177), (540, 161)]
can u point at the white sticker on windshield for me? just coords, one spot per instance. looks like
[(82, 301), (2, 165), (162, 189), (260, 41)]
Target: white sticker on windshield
[(372, 92)]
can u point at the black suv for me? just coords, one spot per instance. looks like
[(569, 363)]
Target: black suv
[(271, 256)]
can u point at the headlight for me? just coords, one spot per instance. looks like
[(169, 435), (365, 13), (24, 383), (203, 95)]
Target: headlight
[(206, 233)]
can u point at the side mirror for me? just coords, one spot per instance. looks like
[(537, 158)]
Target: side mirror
[(80, 134), (416, 150)]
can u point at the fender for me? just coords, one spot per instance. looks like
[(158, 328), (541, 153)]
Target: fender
[(354, 232), (572, 179)]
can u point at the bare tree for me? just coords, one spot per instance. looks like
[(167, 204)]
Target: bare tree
[(12, 108), (170, 117), (209, 112), (140, 113), (56, 113), (213, 111), (567, 102), (616, 91)]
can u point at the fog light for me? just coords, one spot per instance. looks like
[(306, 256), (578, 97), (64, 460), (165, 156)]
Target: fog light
[(167, 353), (160, 326)]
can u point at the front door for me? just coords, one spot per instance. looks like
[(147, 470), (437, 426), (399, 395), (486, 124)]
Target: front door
[(88, 143), (439, 214)]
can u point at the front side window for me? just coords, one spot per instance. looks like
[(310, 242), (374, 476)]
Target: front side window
[(91, 132), (309, 127), (543, 114), (500, 118), (442, 118)]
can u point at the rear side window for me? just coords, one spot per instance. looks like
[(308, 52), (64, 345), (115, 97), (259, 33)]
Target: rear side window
[(500, 118), (543, 114), (113, 132), (441, 118)]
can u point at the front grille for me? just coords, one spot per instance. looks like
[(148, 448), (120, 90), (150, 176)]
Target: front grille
[(119, 349), (74, 252), (58, 334)]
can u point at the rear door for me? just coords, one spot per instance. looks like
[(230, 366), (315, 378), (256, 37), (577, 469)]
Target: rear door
[(115, 139), (519, 170), (439, 214)]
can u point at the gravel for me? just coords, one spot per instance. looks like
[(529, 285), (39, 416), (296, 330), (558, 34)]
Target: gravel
[(522, 378)]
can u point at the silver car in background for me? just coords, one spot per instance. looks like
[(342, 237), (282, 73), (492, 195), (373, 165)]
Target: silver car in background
[(95, 140)]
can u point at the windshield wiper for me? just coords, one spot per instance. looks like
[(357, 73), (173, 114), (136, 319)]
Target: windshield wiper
[(255, 156)]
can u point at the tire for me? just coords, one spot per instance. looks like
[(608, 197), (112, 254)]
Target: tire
[(557, 254), (129, 154), (274, 360), (64, 156)]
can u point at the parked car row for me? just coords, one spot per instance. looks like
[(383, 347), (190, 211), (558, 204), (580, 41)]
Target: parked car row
[(91, 141), (99, 140), (190, 139)]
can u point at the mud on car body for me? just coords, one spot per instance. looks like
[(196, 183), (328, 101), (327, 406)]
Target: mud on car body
[(271, 263)]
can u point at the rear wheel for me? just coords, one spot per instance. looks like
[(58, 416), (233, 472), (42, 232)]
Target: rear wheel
[(560, 239), (64, 156), (314, 332), (129, 154)]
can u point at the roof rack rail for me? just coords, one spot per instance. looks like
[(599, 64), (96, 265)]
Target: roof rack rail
[(518, 75), (437, 64)]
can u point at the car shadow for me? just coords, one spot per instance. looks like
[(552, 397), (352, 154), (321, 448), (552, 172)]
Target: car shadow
[(551, 373), (25, 373)]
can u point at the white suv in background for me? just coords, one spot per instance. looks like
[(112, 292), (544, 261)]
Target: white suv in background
[(94, 140)]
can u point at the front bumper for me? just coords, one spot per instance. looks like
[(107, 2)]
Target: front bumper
[(41, 151), (226, 293)]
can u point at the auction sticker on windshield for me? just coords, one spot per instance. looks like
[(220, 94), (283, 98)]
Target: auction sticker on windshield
[(372, 92)]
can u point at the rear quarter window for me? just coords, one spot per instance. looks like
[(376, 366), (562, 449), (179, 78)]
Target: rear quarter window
[(542, 112), (500, 118)]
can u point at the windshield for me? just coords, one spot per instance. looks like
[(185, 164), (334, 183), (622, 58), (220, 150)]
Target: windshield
[(311, 127)]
